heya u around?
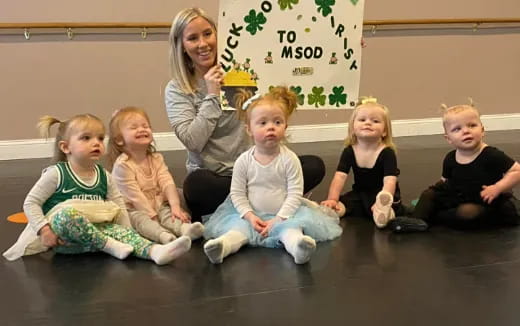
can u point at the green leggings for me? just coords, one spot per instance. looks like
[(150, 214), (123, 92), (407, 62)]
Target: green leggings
[(83, 236)]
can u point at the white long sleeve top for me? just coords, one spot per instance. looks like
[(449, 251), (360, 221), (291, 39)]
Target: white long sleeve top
[(275, 188)]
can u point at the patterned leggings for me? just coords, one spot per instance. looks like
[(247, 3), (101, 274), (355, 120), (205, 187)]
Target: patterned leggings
[(82, 236)]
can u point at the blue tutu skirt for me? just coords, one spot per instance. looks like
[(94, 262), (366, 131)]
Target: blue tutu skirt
[(318, 223)]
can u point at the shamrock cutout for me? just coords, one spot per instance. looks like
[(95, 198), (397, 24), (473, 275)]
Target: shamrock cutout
[(338, 97), (254, 21), (325, 6), (284, 4), (316, 97), (300, 97)]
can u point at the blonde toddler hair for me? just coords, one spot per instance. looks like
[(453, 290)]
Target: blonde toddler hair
[(455, 109), (66, 129), (115, 142), (365, 101)]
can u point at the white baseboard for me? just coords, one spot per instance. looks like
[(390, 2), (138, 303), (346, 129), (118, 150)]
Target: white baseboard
[(166, 141)]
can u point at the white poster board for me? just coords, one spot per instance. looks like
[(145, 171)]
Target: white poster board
[(312, 46)]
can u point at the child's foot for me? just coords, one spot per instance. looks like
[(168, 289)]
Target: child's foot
[(192, 230), (408, 224), (214, 249), (164, 254), (166, 237), (383, 212), (117, 249), (304, 250)]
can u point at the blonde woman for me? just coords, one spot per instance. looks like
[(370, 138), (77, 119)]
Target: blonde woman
[(214, 138)]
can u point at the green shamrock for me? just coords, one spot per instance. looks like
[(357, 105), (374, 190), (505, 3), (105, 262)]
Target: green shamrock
[(254, 21), (325, 6), (354, 2), (297, 90), (287, 3), (316, 97), (337, 97)]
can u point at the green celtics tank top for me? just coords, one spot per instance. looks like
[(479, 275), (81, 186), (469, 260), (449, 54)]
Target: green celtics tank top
[(71, 187)]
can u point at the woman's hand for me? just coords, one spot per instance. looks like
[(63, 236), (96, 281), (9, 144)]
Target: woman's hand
[(213, 79), (269, 225), (49, 238)]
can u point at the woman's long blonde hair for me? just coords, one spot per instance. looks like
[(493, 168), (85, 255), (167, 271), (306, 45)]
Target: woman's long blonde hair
[(370, 101), (116, 145), (181, 65), (65, 130)]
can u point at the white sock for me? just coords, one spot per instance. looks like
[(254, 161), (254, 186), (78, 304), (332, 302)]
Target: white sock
[(117, 249), (223, 246), (383, 209), (192, 230), (300, 246), (163, 254), (166, 237)]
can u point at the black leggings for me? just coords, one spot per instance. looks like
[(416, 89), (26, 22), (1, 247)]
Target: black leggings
[(504, 210), (204, 190)]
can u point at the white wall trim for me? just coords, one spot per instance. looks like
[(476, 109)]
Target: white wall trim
[(166, 141)]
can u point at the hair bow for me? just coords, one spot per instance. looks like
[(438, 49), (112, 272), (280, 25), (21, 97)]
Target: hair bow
[(250, 100), (368, 99)]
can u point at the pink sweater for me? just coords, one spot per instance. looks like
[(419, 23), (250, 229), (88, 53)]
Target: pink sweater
[(141, 191)]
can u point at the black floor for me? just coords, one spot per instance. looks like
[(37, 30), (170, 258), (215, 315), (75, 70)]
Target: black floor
[(367, 277)]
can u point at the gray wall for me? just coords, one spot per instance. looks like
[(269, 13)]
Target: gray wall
[(410, 71)]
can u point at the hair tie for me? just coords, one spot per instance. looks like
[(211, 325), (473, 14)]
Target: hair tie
[(250, 100)]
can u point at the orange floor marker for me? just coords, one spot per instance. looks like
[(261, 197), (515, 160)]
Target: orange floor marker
[(18, 218)]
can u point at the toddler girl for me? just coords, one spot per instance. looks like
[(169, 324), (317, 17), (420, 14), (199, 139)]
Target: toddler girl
[(265, 206), (370, 153), (74, 207), (477, 179), (152, 200)]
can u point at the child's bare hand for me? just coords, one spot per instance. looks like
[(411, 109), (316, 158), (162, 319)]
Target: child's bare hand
[(269, 225), (49, 238), (331, 203), (179, 213), (257, 223), (489, 193)]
